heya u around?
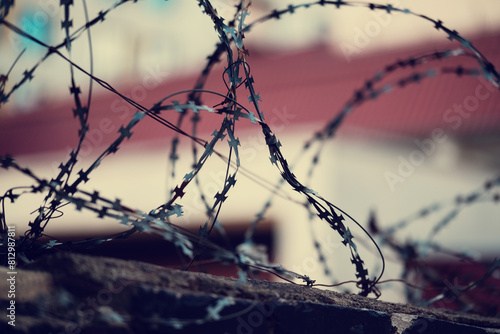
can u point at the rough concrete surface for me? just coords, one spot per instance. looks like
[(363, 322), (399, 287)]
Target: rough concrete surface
[(70, 293)]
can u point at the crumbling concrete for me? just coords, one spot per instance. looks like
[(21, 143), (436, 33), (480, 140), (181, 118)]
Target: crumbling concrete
[(69, 293)]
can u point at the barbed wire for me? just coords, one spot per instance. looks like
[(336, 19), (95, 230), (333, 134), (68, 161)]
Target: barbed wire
[(59, 191)]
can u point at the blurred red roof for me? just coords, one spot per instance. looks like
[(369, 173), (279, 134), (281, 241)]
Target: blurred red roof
[(311, 85)]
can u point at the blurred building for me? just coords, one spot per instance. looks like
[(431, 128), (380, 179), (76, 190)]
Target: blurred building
[(419, 145)]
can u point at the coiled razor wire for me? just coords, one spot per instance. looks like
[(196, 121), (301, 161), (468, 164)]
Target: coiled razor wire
[(61, 191)]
